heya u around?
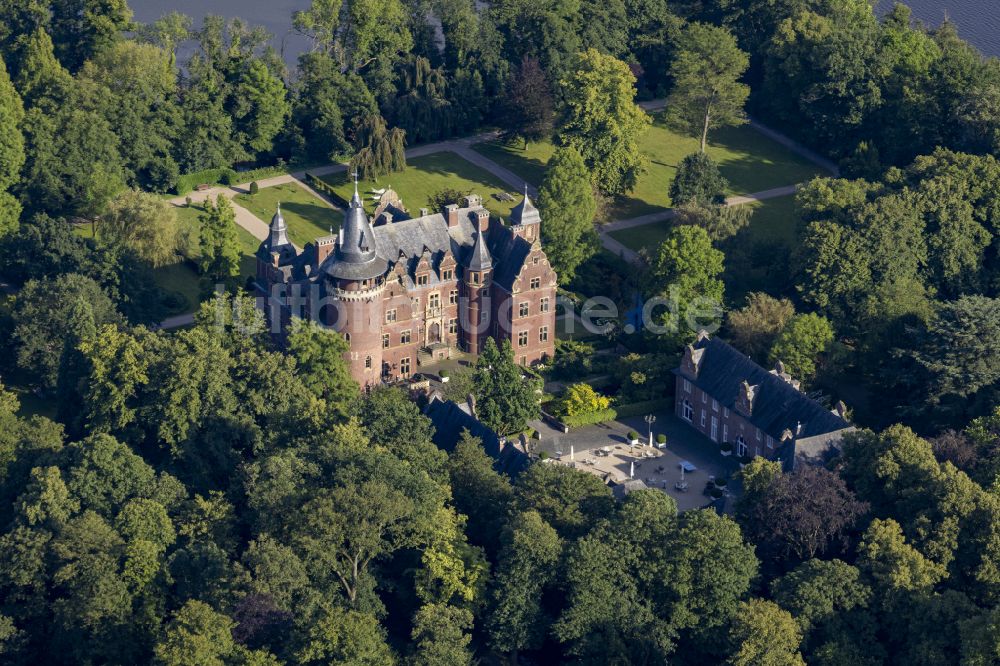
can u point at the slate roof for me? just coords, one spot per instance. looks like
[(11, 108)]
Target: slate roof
[(480, 258), (277, 241), (356, 257), (525, 212), (509, 254), (408, 239), (777, 406), (449, 419)]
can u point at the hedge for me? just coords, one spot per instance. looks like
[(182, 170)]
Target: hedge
[(590, 418), (321, 185), (189, 181), (642, 408)]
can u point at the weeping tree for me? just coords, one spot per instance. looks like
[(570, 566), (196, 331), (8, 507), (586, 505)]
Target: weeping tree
[(382, 150)]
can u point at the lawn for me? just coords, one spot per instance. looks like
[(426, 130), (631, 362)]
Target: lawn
[(773, 220), (181, 278), (424, 176), (307, 216), (756, 258), (526, 161), (750, 162)]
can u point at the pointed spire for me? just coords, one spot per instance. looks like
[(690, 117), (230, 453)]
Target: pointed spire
[(355, 257), (480, 258), (356, 199), (525, 212), (279, 230)]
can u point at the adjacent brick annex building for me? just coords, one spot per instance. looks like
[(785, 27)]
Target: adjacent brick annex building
[(408, 290), (729, 398)]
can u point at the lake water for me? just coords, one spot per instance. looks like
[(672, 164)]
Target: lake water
[(978, 20)]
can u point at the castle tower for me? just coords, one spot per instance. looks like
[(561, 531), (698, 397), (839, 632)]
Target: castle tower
[(355, 279), (525, 219), (476, 285)]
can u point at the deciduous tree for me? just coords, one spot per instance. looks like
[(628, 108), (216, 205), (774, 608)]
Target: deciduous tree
[(707, 91), (698, 180), (754, 327), (505, 399), (601, 120), (11, 151), (803, 339)]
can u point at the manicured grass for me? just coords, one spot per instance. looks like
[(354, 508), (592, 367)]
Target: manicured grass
[(757, 258), (774, 220), (526, 161), (308, 217), (182, 277), (424, 176), (750, 162)]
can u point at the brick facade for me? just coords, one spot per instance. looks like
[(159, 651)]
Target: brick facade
[(415, 288), (730, 399)]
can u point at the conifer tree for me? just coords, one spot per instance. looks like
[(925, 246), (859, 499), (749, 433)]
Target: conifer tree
[(220, 248)]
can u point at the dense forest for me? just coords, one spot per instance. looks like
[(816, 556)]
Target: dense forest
[(210, 496)]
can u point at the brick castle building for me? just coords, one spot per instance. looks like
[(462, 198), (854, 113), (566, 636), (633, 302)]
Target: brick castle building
[(730, 399), (407, 290)]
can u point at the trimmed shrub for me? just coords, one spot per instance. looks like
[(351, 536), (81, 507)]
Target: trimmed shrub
[(661, 439), (725, 446), (544, 455), (444, 373), (641, 408), (721, 481), (716, 493), (590, 418), (632, 435), (189, 181), (254, 188), (228, 177)]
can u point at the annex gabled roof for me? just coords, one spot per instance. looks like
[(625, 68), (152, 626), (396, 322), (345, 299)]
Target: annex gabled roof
[(449, 419), (777, 405)]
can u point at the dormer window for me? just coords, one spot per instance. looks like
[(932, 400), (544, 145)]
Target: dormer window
[(447, 274), (475, 278), (422, 280)]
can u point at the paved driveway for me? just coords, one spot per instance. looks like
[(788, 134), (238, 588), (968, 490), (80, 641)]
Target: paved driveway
[(662, 470)]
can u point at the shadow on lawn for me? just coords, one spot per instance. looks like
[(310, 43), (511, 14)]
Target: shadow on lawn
[(320, 216)]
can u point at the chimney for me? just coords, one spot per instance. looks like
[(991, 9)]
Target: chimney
[(387, 216), (324, 246), (473, 201), (451, 214), (841, 409), (482, 220), (423, 212), (275, 259)]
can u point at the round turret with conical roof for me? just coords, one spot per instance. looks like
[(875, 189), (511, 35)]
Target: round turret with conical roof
[(355, 279)]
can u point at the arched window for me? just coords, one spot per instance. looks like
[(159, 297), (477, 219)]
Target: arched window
[(347, 336)]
